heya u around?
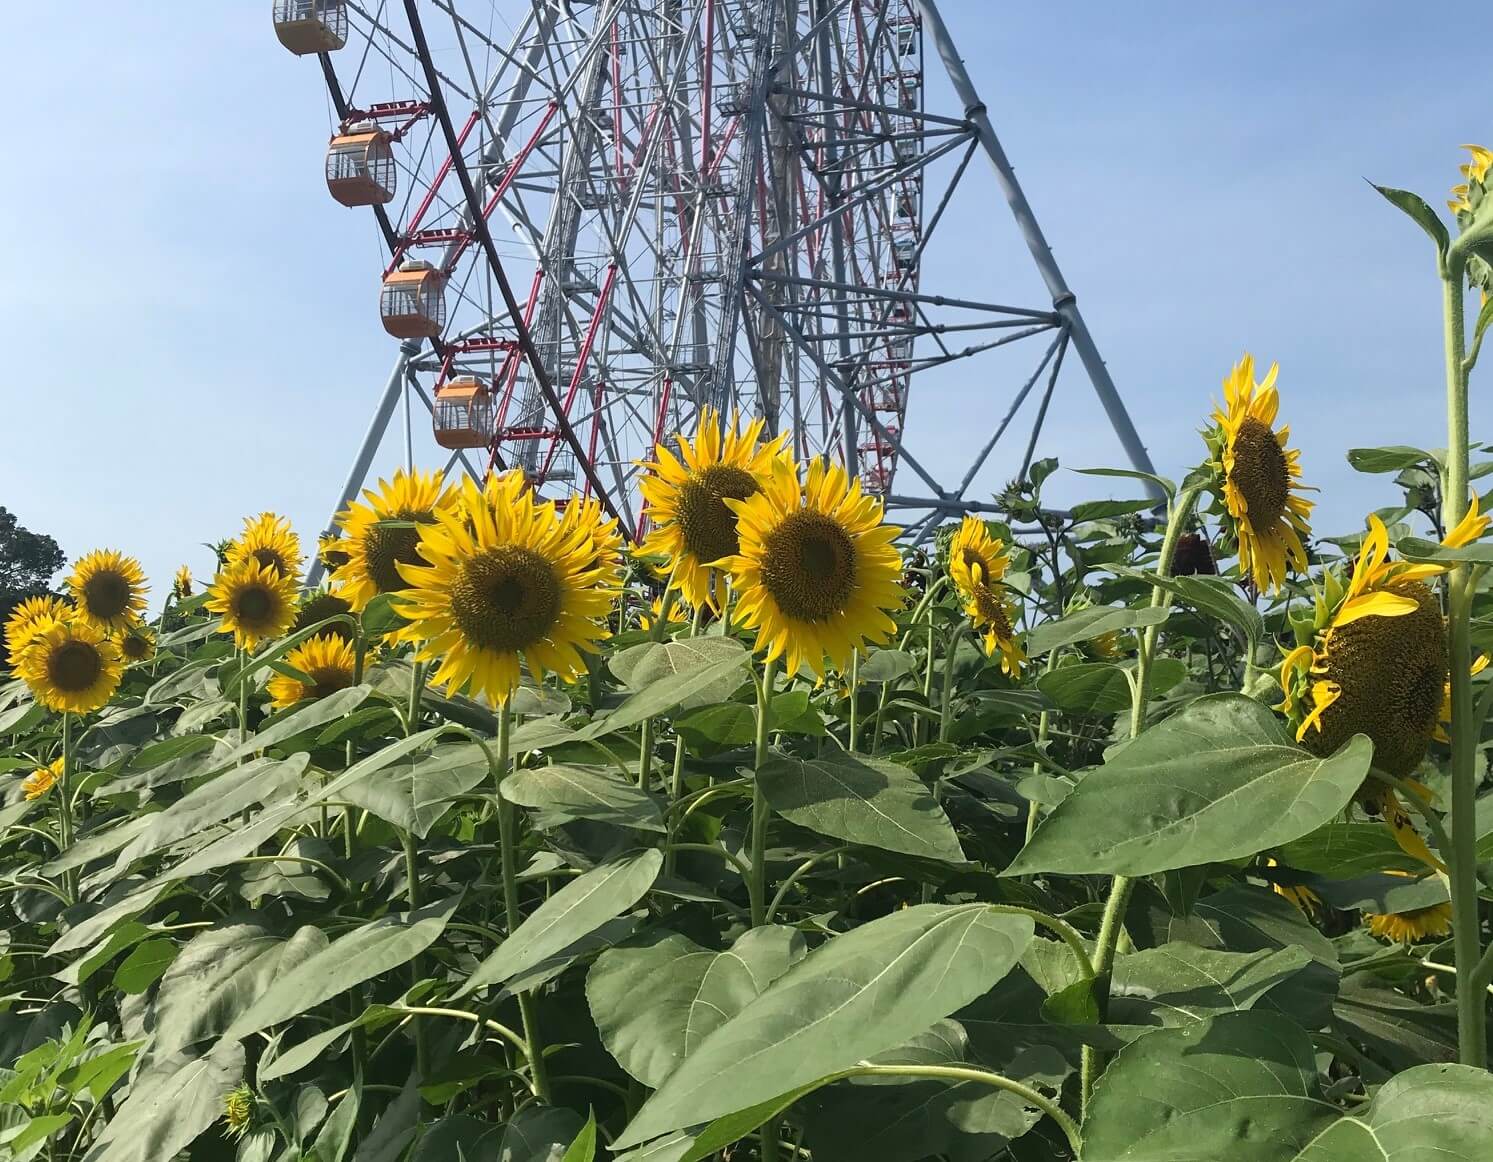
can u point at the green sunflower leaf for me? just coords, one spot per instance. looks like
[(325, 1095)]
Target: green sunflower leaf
[(1087, 624), (1425, 217)]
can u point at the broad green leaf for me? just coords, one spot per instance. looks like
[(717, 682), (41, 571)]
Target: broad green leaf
[(1105, 509), (712, 682), (396, 1126), (336, 1135), (145, 965), (364, 953), (861, 800), (1219, 597), (1087, 624), (583, 1148), (714, 728), (1432, 1113), (655, 1001), (1218, 781), (96, 1075), (580, 907), (35, 1131), (313, 716), (1159, 485), (1416, 208), (642, 666), (416, 793), (219, 975), (1246, 918), (535, 1134), (1345, 850), (1395, 458), (1241, 1087), (1088, 688), (577, 792), (1422, 550), (885, 666), (178, 1097), (1177, 984), (1383, 893), (1398, 1029), (858, 995)]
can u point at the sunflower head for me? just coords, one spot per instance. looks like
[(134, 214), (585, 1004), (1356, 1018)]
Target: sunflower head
[(1468, 194), (381, 533), (108, 589), (269, 540), (976, 557), (1299, 894), (255, 601), (331, 557), (1413, 925), (502, 584), (678, 614), (29, 618), (238, 1111), (42, 780), (181, 584), (137, 644), (328, 662), (1372, 661), (316, 607), (71, 667), (690, 500), (977, 562), (1256, 478), (817, 573)]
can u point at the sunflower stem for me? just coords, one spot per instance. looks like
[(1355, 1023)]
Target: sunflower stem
[(1466, 922), (65, 809), (243, 698), (645, 753), (1120, 888), (944, 721), (855, 689), (412, 869), (349, 829), (676, 792), (508, 863), (761, 810)]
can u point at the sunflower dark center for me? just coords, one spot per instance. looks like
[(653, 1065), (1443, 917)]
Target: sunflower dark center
[(269, 559), (1392, 672), (317, 609), (505, 599), (253, 606), (386, 547), (991, 611), (809, 566), (328, 680), (706, 524), (971, 558), (1260, 473), (74, 666), (107, 594), (134, 647)]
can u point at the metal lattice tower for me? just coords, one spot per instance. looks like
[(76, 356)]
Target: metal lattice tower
[(600, 217)]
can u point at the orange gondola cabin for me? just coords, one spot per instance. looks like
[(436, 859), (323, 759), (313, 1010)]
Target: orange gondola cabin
[(464, 414), (360, 167), (413, 302), (311, 26)]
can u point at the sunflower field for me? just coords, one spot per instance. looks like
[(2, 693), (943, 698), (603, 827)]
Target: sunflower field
[(1138, 831)]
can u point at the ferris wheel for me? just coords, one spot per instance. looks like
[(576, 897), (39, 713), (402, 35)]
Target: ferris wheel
[(600, 218)]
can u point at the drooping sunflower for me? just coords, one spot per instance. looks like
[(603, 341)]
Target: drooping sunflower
[(1257, 479), (329, 662), (319, 605), (181, 584), (1412, 925), (71, 667), (977, 563), (42, 780), (137, 644), (504, 584), (817, 574), (255, 601), (269, 540), (689, 495), (1302, 896), (1476, 170), (108, 589), (29, 618), (381, 535)]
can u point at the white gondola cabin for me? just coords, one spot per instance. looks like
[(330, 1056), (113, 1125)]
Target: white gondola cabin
[(413, 302), (311, 26), (360, 167), (464, 414)]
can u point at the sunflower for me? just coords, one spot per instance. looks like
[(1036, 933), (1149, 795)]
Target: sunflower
[(255, 601), (331, 557), (42, 780), (269, 540), (1299, 894), (238, 1111), (71, 667), (977, 562), (504, 583), (383, 534), (181, 584), (1444, 717), (31, 617), (1409, 926), (137, 644), (1258, 478), (679, 613), (1475, 170), (108, 589), (689, 497), (316, 607), (329, 662), (817, 573)]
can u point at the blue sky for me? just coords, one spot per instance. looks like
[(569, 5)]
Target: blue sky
[(192, 322)]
